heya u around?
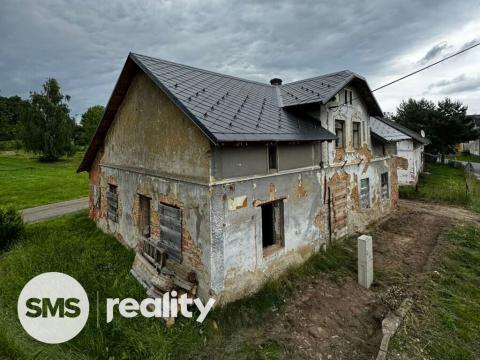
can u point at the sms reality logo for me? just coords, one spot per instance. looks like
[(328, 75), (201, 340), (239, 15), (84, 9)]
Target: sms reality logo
[(53, 307)]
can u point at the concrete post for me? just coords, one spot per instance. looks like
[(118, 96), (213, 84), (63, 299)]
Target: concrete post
[(365, 261)]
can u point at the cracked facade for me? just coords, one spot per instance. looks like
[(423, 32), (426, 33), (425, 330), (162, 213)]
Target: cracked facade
[(240, 212)]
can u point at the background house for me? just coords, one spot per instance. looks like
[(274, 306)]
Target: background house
[(220, 183), (473, 147), (403, 142)]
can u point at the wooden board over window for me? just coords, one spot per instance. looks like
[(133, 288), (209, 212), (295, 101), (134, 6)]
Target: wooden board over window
[(112, 203), (171, 231)]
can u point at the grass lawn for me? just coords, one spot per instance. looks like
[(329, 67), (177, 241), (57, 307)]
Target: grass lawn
[(72, 244), (469, 158), (446, 323), (26, 182), (445, 184)]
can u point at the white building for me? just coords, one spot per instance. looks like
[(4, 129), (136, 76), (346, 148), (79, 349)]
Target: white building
[(407, 144), (473, 146)]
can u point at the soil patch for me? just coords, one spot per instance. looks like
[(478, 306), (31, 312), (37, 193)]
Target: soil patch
[(338, 319)]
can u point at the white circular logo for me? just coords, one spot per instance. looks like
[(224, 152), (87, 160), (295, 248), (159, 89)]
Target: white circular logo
[(53, 307)]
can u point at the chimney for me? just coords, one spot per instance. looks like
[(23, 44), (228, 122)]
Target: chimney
[(276, 81)]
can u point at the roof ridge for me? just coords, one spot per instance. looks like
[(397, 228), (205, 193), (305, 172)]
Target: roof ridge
[(204, 70), (321, 76)]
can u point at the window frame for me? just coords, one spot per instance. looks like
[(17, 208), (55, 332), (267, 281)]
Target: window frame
[(272, 157), (169, 225), (274, 212), (359, 135), (343, 137), (385, 185), (365, 201), (112, 203), (145, 217)]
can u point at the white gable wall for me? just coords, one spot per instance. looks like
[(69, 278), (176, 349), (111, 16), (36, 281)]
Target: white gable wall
[(406, 149)]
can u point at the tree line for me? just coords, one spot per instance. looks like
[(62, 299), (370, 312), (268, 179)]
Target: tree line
[(445, 123), (43, 125)]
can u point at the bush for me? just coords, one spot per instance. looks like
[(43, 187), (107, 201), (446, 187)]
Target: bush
[(11, 227)]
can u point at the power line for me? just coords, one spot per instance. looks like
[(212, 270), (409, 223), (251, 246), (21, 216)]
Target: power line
[(426, 67), (415, 72)]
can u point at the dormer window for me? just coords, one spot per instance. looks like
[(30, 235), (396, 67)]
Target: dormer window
[(348, 97)]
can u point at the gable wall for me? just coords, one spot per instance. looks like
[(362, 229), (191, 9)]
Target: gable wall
[(150, 132)]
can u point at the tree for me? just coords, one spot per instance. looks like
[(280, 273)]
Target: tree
[(89, 123), (10, 110), (47, 128), (445, 124)]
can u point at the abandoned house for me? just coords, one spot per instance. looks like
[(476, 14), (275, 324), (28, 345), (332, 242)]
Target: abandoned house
[(391, 138), (220, 183)]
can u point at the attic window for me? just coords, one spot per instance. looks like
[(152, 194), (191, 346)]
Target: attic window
[(348, 97), (272, 157)]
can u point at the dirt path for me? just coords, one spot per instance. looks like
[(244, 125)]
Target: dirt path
[(338, 319), (44, 212), (451, 212)]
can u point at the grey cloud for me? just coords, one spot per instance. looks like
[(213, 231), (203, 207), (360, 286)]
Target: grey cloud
[(84, 43), (470, 43), (458, 84), (434, 52)]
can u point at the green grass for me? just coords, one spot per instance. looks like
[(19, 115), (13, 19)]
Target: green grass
[(26, 182), (447, 322), (445, 184), (467, 157), (74, 245)]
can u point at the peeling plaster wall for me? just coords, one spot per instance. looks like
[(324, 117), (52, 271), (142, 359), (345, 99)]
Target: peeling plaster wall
[(241, 260), (150, 132), (192, 198), (414, 155), (153, 150)]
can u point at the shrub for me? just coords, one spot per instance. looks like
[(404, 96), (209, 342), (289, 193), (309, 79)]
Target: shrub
[(11, 227)]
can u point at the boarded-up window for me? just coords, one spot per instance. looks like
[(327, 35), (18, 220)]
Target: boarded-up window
[(144, 221), (356, 134), (272, 224), (340, 133), (112, 202), (365, 193), (171, 231), (385, 188)]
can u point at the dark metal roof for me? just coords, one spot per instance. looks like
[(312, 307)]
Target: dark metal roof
[(386, 132), (412, 134), (228, 109)]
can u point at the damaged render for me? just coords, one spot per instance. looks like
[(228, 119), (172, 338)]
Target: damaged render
[(220, 184)]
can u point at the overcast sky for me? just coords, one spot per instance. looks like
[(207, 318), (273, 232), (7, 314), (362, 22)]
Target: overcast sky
[(84, 43)]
